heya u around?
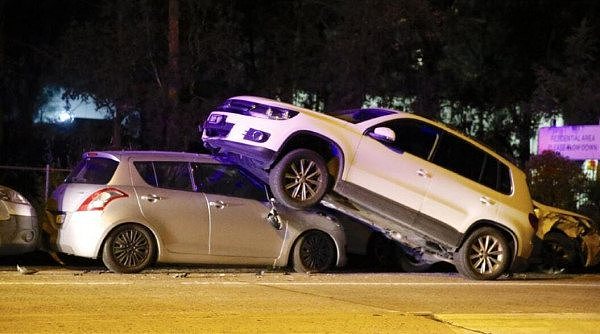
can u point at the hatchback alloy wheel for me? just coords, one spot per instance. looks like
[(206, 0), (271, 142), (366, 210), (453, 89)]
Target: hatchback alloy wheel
[(314, 252), (128, 249)]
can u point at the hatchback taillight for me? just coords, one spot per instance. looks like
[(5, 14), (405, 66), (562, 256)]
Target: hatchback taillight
[(100, 199)]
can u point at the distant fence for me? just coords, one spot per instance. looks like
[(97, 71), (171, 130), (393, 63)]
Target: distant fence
[(46, 170)]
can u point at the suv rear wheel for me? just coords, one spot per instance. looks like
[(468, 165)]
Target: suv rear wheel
[(128, 249), (485, 255), (300, 179)]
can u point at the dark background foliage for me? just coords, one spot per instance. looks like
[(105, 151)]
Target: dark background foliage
[(492, 69)]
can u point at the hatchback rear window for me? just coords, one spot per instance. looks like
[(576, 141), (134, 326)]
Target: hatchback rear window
[(93, 171)]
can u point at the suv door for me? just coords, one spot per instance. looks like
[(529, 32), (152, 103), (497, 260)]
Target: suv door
[(238, 208), (393, 171), (458, 195), (169, 203)]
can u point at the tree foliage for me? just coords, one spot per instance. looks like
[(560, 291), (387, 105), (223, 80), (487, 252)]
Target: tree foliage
[(571, 89), (489, 68), (556, 181)]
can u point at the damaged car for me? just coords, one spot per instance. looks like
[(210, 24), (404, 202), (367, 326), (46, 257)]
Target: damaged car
[(19, 230), (566, 241), (132, 209), (436, 191)]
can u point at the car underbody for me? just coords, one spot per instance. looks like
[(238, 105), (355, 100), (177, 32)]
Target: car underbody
[(419, 246)]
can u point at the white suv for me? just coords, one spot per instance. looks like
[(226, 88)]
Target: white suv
[(429, 187)]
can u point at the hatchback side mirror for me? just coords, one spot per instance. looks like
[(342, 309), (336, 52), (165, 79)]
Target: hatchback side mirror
[(383, 134)]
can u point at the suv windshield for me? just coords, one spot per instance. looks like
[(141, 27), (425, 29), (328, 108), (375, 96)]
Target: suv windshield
[(360, 115), (93, 171)]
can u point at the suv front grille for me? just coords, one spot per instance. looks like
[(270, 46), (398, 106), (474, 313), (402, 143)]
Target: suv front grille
[(216, 126)]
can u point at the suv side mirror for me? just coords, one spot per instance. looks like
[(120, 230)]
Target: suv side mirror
[(383, 134)]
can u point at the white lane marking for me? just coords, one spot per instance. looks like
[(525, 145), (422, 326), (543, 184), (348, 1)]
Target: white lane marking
[(513, 316), (66, 283), (540, 284)]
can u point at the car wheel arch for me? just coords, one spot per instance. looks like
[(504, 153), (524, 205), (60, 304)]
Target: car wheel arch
[(316, 142), (298, 238), (508, 234), (155, 239)]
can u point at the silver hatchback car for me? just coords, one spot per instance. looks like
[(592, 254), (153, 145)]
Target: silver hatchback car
[(132, 209)]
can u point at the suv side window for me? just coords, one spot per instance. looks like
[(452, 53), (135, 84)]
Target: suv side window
[(412, 136), (465, 159), (165, 174), (227, 180), (496, 175), (459, 156)]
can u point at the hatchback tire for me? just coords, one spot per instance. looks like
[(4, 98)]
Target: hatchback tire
[(300, 179), (314, 252), (485, 255), (128, 249)]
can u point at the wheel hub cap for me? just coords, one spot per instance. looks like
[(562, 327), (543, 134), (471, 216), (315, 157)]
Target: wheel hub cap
[(302, 179), (486, 254), (130, 248)]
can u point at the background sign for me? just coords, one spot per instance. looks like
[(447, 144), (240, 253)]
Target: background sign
[(573, 142)]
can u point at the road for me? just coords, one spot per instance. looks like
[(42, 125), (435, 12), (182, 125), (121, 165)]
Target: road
[(200, 300)]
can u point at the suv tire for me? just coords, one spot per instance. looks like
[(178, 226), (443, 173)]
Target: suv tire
[(300, 179), (484, 255)]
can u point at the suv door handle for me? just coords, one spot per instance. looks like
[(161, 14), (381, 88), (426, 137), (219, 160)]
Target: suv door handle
[(486, 200), (218, 204), (152, 198), (423, 173)]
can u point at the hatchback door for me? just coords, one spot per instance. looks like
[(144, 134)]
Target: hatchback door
[(238, 208), (168, 201)]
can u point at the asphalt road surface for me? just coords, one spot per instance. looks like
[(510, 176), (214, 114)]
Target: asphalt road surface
[(200, 300)]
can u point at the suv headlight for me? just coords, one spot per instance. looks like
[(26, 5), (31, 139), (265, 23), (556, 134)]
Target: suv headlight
[(271, 112)]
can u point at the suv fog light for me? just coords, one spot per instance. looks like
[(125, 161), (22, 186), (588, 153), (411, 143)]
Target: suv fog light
[(256, 136)]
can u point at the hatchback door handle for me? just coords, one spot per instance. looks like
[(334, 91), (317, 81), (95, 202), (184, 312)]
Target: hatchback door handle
[(151, 198), (218, 204), (486, 200), (423, 173)]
